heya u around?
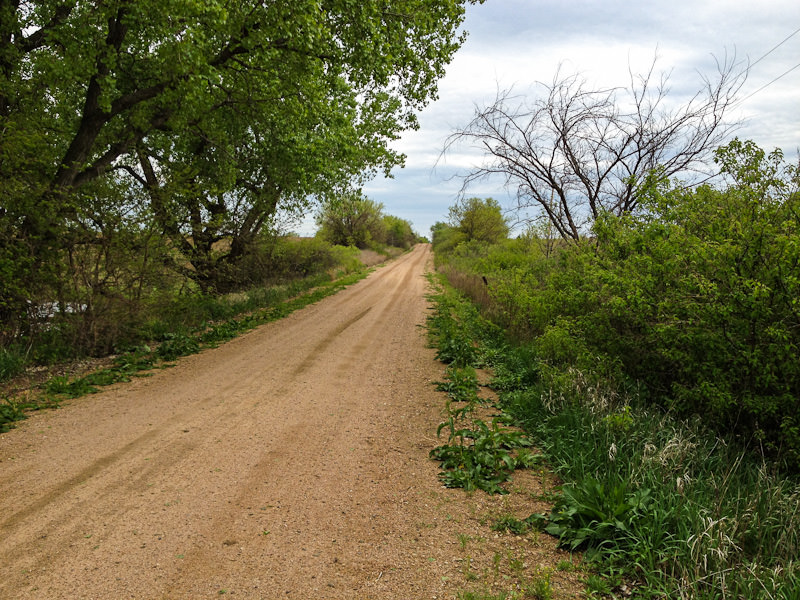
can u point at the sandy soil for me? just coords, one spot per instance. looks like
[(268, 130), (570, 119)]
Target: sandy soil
[(291, 462)]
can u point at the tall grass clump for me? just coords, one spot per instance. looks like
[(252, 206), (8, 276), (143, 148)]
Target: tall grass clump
[(672, 505), (12, 362)]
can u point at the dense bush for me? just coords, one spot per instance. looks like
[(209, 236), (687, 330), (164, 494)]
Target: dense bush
[(398, 232), (351, 220), (659, 507), (700, 298), (281, 258), (695, 298)]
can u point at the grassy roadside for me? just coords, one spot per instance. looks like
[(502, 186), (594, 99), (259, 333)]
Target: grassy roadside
[(661, 508), (484, 453), (171, 345)]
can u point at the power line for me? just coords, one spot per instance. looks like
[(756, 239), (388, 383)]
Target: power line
[(763, 56), (791, 35), (769, 84)]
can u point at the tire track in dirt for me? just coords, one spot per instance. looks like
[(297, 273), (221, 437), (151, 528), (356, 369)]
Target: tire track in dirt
[(291, 462), (63, 501), (104, 462), (276, 476)]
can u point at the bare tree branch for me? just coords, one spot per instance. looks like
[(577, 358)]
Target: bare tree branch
[(574, 152)]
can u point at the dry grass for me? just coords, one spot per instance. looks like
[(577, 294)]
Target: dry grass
[(370, 258)]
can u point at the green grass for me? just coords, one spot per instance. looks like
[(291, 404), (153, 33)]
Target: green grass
[(12, 362)]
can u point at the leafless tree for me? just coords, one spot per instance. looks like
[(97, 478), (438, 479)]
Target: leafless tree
[(575, 152)]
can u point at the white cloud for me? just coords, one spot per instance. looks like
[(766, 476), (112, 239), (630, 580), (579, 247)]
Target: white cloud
[(519, 42)]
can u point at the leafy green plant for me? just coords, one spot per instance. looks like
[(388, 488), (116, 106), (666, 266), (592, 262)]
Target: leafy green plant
[(478, 456), (62, 386), (527, 458), (566, 565), (222, 332), (132, 362), (10, 412), (105, 377), (518, 368), (176, 345), (590, 514), (458, 350), (620, 421), (450, 332), (597, 586), (461, 383)]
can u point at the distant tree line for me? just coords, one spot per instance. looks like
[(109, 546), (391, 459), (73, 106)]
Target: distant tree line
[(355, 220)]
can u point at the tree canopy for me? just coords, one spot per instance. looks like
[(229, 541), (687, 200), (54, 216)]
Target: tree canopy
[(352, 220), (203, 118), (479, 219)]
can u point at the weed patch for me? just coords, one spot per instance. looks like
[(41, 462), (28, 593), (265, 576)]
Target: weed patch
[(477, 455), (511, 524), (461, 384), (10, 412)]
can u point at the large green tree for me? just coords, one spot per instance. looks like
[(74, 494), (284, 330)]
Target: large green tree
[(210, 115), (479, 219), (352, 220)]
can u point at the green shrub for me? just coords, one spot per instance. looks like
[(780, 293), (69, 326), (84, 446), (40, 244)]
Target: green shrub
[(346, 259), (692, 300), (700, 298), (12, 362), (663, 504)]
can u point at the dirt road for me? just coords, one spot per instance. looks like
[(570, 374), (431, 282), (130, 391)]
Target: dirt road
[(288, 463)]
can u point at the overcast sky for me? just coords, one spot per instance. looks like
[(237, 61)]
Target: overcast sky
[(520, 42)]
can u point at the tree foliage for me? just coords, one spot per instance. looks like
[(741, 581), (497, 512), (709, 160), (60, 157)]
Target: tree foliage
[(398, 232), (479, 219), (352, 220), (575, 152), (202, 119)]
